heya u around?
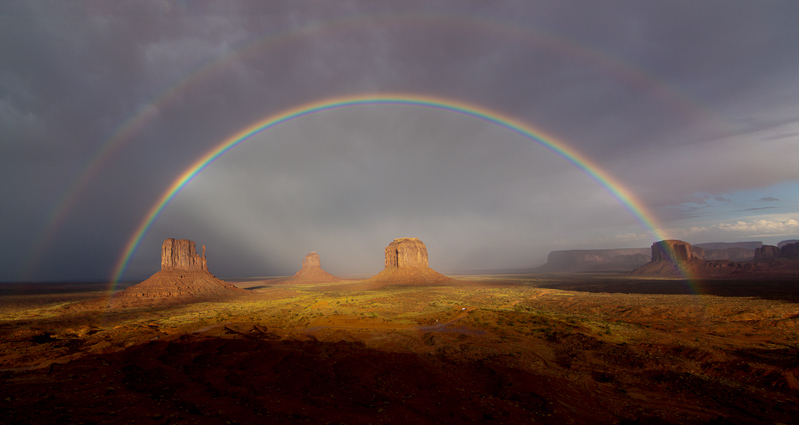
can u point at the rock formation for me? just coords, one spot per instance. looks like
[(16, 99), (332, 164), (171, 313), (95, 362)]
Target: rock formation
[(583, 260), (184, 277), (312, 272), (767, 252), (180, 254), (750, 245), (690, 263), (406, 264), (670, 257), (790, 250), (729, 254), (406, 253), (671, 250)]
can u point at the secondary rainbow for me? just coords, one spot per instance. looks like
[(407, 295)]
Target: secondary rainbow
[(608, 182), (623, 71)]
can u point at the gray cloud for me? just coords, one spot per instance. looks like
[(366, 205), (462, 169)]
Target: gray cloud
[(672, 99)]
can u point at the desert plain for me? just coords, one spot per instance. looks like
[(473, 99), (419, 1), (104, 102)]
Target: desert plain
[(597, 348)]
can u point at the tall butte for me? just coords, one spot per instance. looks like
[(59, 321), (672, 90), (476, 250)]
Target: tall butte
[(184, 277), (312, 272), (406, 264), (669, 256)]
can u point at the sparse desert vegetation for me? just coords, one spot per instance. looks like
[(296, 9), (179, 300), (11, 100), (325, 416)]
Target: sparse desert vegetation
[(495, 349)]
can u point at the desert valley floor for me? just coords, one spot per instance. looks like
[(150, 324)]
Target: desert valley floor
[(599, 349)]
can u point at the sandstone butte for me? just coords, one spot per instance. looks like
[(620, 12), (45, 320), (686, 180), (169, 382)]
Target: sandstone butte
[(407, 264), (678, 258), (184, 277), (312, 272)]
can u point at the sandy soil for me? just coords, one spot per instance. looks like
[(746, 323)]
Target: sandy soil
[(510, 349)]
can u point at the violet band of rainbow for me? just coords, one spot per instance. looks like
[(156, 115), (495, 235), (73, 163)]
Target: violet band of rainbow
[(636, 208)]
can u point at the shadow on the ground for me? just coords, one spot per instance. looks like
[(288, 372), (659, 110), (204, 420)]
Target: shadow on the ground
[(779, 290)]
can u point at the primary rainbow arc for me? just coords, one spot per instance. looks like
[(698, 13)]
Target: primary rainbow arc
[(608, 182)]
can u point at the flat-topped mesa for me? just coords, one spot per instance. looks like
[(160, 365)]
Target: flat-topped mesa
[(406, 253), (767, 252), (672, 250), (672, 257), (770, 252), (181, 254)]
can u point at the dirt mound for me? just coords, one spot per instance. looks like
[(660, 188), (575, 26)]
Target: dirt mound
[(175, 286)]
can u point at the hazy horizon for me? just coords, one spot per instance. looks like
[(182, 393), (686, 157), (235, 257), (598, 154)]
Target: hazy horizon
[(103, 106)]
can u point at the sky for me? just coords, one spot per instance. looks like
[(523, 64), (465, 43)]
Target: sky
[(689, 108)]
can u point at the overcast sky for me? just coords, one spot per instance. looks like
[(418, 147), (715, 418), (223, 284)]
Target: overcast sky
[(692, 105)]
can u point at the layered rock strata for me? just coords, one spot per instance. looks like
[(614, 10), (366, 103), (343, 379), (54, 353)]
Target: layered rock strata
[(181, 254)]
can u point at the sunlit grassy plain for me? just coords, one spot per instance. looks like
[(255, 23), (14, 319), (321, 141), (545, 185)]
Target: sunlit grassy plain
[(512, 310), (626, 346)]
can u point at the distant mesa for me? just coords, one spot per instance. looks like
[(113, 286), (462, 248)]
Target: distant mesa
[(749, 245), (312, 272), (595, 260), (669, 257), (672, 250), (767, 252), (770, 252), (184, 277), (678, 258), (407, 264)]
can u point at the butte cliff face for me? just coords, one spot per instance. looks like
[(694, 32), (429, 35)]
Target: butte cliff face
[(406, 253), (312, 272), (184, 277), (181, 254), (407, 264), (669, 257), (672, 249)]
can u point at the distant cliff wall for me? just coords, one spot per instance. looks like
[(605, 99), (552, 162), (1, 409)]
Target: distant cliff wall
[(577, 260)]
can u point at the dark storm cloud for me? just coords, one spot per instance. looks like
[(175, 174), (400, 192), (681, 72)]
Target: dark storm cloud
[(707, 88)]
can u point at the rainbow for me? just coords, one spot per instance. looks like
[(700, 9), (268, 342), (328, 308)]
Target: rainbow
[(150, 111), (608, 182)]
